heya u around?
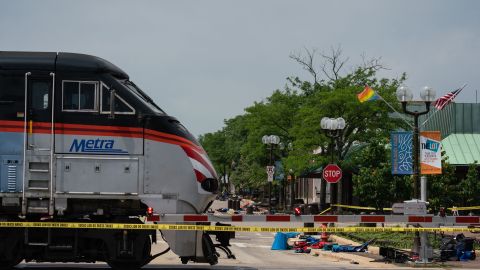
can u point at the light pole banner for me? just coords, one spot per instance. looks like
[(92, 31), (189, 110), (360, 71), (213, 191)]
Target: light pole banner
[(402, 149), (430, 152)]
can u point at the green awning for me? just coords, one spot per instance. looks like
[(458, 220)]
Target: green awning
[(462, 149)]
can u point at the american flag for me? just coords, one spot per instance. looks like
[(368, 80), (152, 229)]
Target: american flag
[(441, 102)]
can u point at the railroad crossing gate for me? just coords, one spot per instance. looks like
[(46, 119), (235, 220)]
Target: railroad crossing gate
[(332, 173)]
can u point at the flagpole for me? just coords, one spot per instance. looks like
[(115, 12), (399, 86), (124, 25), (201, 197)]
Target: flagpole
[(426, 120), (391, 107)]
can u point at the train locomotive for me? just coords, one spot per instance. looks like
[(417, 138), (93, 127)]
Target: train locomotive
[(80, 142)]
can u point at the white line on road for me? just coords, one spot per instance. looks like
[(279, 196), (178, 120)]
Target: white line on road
[(244, 245)]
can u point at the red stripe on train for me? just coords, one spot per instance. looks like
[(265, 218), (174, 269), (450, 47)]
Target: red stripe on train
[(200, 177), (191, 153)]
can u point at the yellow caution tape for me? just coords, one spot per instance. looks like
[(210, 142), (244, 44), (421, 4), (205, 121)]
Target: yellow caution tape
[(326, 210), (390, 209), (359, 207), (464, 208), (186, 227)]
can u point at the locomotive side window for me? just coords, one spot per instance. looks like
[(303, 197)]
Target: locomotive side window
[(39, 97), (80, 96), (121, 106), (11, 89), (11, 96)]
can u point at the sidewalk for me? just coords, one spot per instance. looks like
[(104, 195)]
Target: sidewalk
[(361, 258)]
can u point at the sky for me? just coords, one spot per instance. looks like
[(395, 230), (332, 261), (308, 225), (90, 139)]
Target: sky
[(205, 61)]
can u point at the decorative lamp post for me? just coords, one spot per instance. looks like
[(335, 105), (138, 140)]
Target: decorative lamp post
[(404, 95), (333, 128), (272, 141), (291, 175)]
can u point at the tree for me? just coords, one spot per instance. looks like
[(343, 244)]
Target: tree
[(224, 146), (443, 188), (364, 121), (294, 114), (470, 186), (374, 184)]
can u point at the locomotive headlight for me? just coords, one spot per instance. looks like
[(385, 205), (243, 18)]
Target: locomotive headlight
[(210, 185)]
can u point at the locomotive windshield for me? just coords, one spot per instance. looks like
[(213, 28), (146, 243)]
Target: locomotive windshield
[(142, 96)]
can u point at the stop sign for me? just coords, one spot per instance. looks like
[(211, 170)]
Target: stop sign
[(332, 173)]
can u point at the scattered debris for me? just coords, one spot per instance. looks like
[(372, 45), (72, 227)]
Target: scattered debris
[(396, 255), (459, 248)]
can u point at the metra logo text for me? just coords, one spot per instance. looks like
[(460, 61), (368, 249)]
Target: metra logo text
[(95, 146)]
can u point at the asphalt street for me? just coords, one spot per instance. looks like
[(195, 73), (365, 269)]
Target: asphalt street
[(252, 251)]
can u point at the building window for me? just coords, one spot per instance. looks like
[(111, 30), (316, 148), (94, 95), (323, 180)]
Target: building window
[(80, 96), (121, 106)]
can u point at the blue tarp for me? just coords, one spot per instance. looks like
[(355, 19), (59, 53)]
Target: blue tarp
[(280, 241), (348, 248)]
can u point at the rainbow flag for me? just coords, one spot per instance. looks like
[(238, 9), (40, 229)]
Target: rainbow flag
[(368, 94)]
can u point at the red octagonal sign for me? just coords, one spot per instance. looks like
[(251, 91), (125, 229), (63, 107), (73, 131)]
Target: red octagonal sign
[(332, 173)]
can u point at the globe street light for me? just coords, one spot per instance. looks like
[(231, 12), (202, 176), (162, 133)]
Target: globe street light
[(333, 128), (404, 95), (271, 140)]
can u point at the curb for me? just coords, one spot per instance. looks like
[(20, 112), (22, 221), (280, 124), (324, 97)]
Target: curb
[(342, 256)]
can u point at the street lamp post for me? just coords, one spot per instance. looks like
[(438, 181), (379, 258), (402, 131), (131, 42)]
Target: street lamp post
[(270, 140), (333, 128), (292, 188), (404, 95)]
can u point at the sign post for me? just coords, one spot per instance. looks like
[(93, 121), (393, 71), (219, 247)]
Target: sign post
[(332, 173)]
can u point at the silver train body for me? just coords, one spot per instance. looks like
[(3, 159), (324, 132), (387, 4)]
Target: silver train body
[(80, 141)]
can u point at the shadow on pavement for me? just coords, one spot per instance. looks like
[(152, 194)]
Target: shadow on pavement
[(151, 267)]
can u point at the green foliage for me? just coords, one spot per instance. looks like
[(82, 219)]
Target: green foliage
[(400, 240), (214, 143), (443, 190), (223, 146), (294, 115), (470, 186), (364, 121), (374, 184)]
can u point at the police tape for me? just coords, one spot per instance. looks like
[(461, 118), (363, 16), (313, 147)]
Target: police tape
[(460, 208), (464, 208), (187, 227)]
